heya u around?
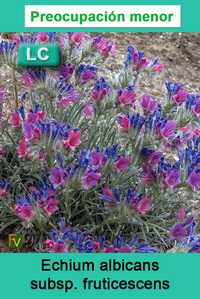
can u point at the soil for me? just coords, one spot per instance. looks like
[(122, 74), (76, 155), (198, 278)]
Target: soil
[(178, 51)]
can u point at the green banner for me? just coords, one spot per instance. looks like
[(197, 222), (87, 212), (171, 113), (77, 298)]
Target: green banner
[(82, 275), (13, 16)]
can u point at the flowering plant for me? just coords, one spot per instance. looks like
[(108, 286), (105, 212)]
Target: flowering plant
[(82, 143)]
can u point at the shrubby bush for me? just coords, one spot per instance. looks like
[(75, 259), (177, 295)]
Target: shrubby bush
[(84, 154)]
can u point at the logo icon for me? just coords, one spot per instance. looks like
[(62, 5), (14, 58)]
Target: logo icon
[(15, 240)]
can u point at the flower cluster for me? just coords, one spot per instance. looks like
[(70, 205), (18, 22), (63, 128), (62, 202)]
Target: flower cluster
[(69, 239)]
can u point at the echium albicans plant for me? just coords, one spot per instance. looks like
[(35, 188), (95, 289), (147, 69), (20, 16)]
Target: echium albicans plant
[(81, 143)]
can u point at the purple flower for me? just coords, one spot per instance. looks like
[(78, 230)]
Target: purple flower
[(2, 93), (66, 70), (58, 177), (196, 107), (168, 130), (194, 181), (180, 97), (1, 151), (88, 110), (148, 104), (154, 158), (28, 132), (91, 179), (87, 76), (172, 178), (178, 232), (96, 159)]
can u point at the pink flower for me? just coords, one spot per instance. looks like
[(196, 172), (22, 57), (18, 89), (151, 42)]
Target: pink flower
[(64, 101), (122, 164), (143, 63), (2, 93), (66, 70), (172, 178), (37, 133), (58, 247), (72, 97), (17, 40), (96, 246), (49, 244), (196, 107), (3, 193), (158, 67), (24, 212), (180, 97), (28, 80), (181, 214), (197, 131), (194, 181), (135, 57), (32, 117), (51, 206), (105, 47), (88, 110), (148, 104), (41, 115), (143, 206), (1, 151), (124, 123), (87, 76), (125, 250), (127, 97), (58, 177), (107, 192), (42, 201), (109, 249), (185, 129), (98, 95), (15, 120), (168, 130), (22, 149), (73, 141), (41, 156), (197, 251), (42, 37), (91, 179), (78, 37)]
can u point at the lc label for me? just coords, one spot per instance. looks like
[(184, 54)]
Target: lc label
[(38, 55)]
